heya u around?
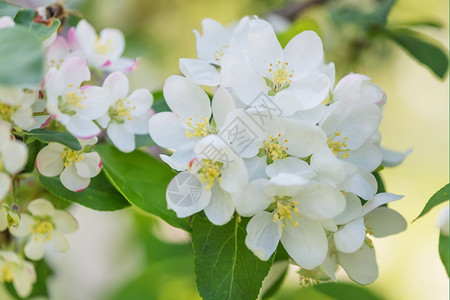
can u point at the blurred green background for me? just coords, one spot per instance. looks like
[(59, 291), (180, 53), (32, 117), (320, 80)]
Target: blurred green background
[(124, 255)]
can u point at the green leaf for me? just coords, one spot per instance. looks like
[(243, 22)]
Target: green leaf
[(346, 291), (159, 103), (143, 140), (48, 136), (21, 57), (444, 252), (282, 269), (26, 18), (349, 14), (8, 9), (296, 28), (423, 48), (380, 15), (100, 195), (381, 188), (142, 180), (439, 197), (225, 268)]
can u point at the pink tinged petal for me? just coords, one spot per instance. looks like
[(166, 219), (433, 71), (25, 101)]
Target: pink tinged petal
[(174, 134), (72, 39), (64, 222), (222, 104), (117, 84), (306, 243), (22, 282), (185, 98), (41, 207), (14, 156), (367, 157), (215, 36), (75, 70), (327, 166), (85, 36), (352, 210), (304, 52), (117, 41), (57, 50), (140, 100), (263, 235), (54, 85), (34, 249), (59, 242), (220, 209), (82, 127), (252, 199), (122, 64), (304, 94), (200, 72), (320, 201), (186, 196), (72, 181), (350, 237), (122, 136), (95, 103), (361, 266), (88, 167), (393, 158), (263, 47), (49, 161), (247, 84), (384, 221), (291, 165), (24, 227), (5, 184), (106, 64)]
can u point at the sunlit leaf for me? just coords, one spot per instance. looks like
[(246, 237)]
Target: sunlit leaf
[(439, 197), (47, 136), (444, 252), (225, 268)]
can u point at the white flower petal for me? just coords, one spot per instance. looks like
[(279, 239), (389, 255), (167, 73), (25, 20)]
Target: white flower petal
[(34, 249), (181, 158), (96, 103), (82, 127), (49, 161), (350, 237), (393, 158), (72, 181), (252, 199), (140, 100), (14, 156), (75, 70), (5, 184), (186, 196), (378, 200), (247, 84), (222, 104), (24, 227), (59, 242), (352, 210), (284, 184), (367, 157), (359, 182), (212, 42), (90, 165), (327, 166), (306, 243), (220, 209), (22, 282), (85, 36), (384, 222), (263, 235), (41, 207), (174, 134), (64, 222), (320, 201), (200, 72), (256, 167), (304, 52), (117, 41), (3, 219), (361, 266), (303, 139), (263, 46), (291, 165), (329, 265), (139, 124), (185, 98), (122, 136)]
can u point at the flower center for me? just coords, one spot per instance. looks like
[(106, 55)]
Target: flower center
[(56, 63), (122, 109), (6, 111), (338, 146), (198, 129), (103, 47), (210, 172), (367, 240), (72, 100), (43, 227), (7, 273), (273, 150), (70, 156), (285, 210), (218, 54), (281, 78)]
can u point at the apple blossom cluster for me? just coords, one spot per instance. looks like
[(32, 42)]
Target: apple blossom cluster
[(83, 94), (281, 144)]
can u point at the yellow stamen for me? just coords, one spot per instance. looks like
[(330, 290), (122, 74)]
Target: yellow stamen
[(122, 109), (7, 273), (273, 149), (199, 128), (338, 146), (285, 210), (103, 48), (43, 227), (281, 77), (6, 111), (70, 156), (74, 99), (210, 172), (218, 54)]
